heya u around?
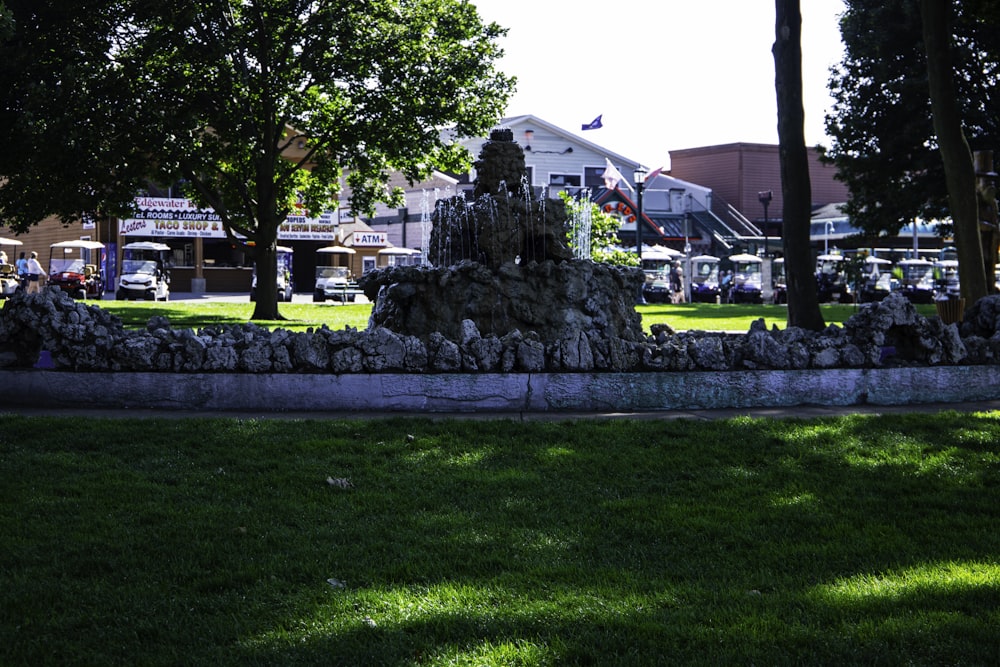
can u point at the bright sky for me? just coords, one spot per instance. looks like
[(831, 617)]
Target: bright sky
[(665, 74)]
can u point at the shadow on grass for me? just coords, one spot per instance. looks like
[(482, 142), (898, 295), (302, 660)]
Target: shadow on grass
[(501, 543), (136, 317)]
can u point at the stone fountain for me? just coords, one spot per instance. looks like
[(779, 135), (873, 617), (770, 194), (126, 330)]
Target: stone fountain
[(502, 263)]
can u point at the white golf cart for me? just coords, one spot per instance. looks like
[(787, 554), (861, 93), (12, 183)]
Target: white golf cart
[(284, 275), (10, 282), (747, 279), (145, 272), (333, 278)]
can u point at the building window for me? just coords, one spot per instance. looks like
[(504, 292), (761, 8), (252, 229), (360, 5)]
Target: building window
[(593, 177), (565, 180)]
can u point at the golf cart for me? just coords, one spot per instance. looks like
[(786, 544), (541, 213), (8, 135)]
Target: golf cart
[(10, 282), (704, 279), (748, 274), (916, 277), (946, 271), (333, 279), (879, 281), (284, 275), (779, 281), (145, 272), (657, 288), (831, 280), (75, 267)]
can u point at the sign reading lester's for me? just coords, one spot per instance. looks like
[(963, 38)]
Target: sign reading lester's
[(371, 239), (177, 217)]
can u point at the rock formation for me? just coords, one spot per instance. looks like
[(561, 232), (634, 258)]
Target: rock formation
[(81, 336), (502, 261)]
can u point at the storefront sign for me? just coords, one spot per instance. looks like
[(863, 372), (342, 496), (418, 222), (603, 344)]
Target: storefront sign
[(177, 218), (371, 239), (301, 228)]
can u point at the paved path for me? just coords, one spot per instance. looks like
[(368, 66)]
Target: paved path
[(233, 297), (798, 412)]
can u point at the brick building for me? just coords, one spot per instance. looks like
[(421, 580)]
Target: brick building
[(738, 173)]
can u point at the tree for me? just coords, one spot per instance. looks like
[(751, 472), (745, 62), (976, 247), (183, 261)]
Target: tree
[(63, 116), (885, 145), (604, 231), (258, 106), (803, 301), (960, 175)]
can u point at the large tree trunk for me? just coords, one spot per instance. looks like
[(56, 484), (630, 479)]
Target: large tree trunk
[(960, 176), (989, 231), (266, 258), (796, 190), (266, 303), (266, 236)]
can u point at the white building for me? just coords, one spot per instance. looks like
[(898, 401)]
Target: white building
[(675, 212)]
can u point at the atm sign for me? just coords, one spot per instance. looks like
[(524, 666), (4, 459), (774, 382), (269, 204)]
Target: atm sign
[(379, 239)]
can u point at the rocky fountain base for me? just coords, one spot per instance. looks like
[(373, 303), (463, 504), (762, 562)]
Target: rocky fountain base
[(501, 262), (559, 301)]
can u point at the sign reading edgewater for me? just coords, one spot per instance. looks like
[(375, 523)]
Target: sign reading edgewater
[(180, 218)]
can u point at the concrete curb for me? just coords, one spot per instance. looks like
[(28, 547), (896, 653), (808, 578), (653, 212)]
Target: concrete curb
[(513, 392)]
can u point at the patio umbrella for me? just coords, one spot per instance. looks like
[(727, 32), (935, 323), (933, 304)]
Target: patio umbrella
[(398, 251)]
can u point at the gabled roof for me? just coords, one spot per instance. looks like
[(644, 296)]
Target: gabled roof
[(518, 121), (669, 227)]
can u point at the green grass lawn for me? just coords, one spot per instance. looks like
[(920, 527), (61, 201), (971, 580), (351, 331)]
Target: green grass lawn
[(301, 316), (856, 540)]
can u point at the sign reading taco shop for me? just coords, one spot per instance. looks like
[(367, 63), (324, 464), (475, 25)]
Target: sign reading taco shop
[(181, 218), (167, 217)]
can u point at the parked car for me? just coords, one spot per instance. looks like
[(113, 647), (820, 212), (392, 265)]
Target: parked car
[(75, 268), (145, 272), (705, 279), (747, 277)]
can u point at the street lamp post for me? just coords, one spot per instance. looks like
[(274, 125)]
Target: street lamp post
[(639, 175), (765, 197)]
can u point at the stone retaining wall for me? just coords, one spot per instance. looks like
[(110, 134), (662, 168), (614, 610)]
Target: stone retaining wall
[(886, 354), (83, 337), (513, 392)]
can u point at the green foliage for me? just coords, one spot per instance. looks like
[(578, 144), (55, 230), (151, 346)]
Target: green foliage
[(603, 231), (884, 143), (216, 92), (6, 22), (253, 106), (855, 271), (248, 541)]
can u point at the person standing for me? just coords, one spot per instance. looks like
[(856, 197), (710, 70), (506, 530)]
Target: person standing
[(22, 271), (35, 274)]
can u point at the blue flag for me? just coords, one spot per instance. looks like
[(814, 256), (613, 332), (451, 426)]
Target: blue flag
[(593, 125)]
